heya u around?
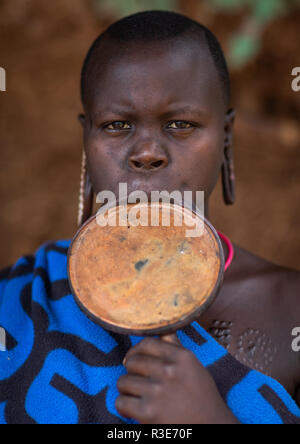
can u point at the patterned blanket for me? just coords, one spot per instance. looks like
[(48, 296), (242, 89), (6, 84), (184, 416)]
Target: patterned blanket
[(60, 367)]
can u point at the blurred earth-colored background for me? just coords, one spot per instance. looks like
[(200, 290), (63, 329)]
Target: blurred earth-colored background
[(42, 47)]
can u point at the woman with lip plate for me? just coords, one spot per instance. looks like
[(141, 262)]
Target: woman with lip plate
[(157, 116)]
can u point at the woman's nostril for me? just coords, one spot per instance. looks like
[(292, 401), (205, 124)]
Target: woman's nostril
[(156, 164), (147, 165), (137, 164)]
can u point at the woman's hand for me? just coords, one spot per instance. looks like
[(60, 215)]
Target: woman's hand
[(166, 384)]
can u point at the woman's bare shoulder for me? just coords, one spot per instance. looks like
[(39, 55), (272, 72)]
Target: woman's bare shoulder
[(280, 282), (248, 261)]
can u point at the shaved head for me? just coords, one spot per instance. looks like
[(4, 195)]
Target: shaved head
[(155, 27)]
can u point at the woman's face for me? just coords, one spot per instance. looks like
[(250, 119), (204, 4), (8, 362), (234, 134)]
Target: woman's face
[(155, 118)]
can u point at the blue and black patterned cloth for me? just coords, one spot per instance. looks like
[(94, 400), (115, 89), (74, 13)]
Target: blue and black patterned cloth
[(60, 367)]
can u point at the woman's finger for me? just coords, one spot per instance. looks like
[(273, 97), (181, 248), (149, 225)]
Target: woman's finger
[(129, 406), (155, 347), (134, 385), (144, 365), (172, 339)]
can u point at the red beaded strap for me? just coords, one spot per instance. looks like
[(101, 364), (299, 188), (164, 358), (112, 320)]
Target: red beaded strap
[(230, 249)]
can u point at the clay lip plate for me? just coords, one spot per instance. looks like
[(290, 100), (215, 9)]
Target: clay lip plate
[(145, 280)]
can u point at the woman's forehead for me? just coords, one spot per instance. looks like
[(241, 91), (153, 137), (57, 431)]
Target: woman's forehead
[(143, 74)]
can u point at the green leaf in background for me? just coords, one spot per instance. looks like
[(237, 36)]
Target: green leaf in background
[(244, 45), (264, 10), (125, 7), (227, 5), (242, 49), (267, 10)]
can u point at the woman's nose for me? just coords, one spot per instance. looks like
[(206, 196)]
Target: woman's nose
[(148, 158)]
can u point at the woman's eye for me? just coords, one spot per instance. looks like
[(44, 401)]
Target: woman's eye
[(118, 126), (179, 124)]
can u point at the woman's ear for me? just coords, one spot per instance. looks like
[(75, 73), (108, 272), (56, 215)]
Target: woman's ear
[(81, 118), (228, 127)]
